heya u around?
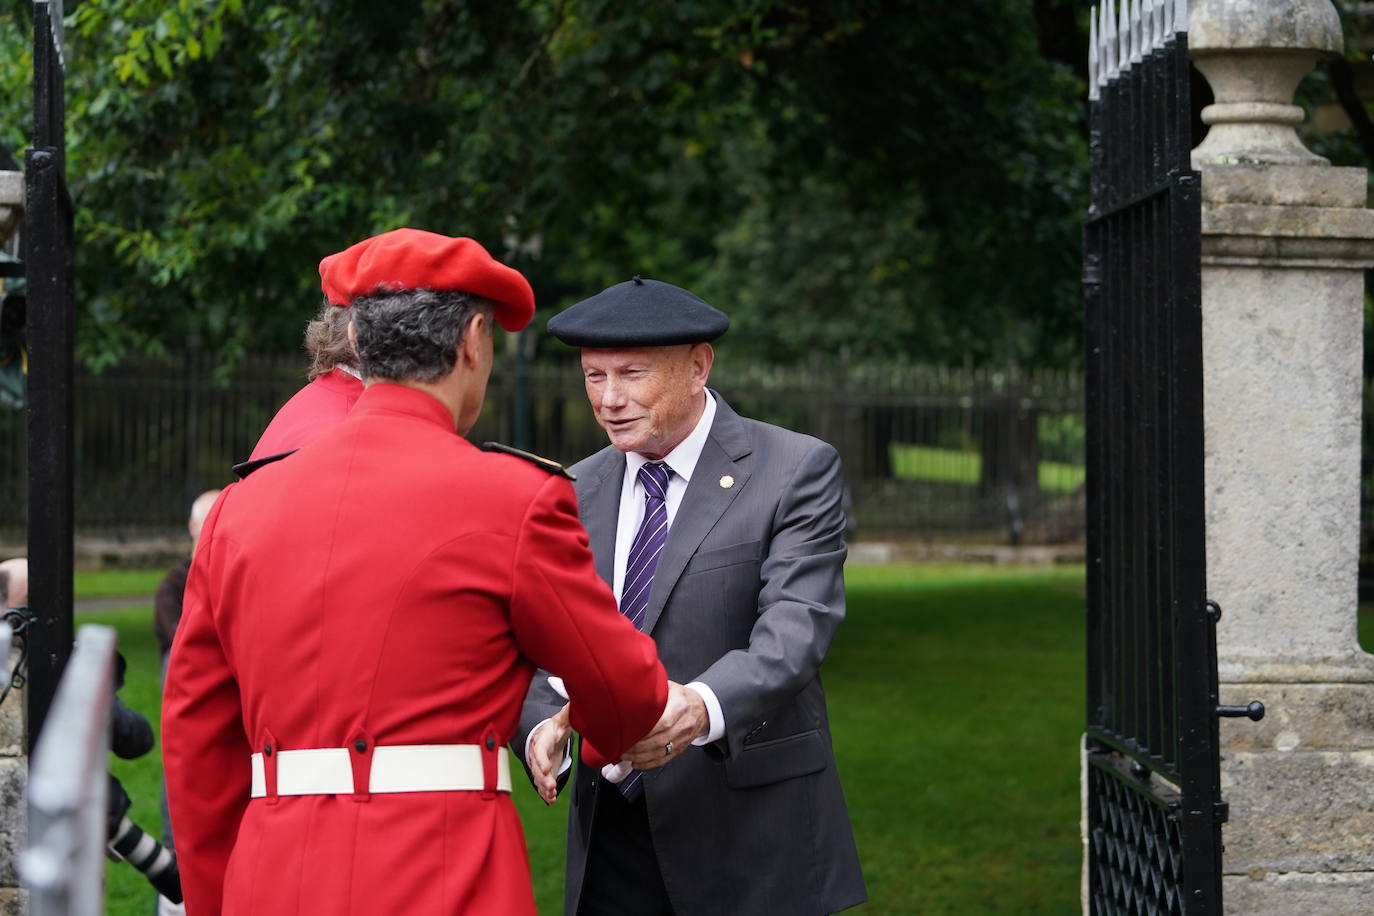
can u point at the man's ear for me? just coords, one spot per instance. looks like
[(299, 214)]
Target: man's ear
[(703, 356), (470, 347)]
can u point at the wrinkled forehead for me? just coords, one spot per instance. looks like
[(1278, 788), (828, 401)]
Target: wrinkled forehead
[(622, 358)]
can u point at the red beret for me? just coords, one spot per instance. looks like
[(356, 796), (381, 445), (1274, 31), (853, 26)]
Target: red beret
[(415, 259)]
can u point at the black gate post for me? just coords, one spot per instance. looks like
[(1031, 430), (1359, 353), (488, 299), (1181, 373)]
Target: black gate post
[(51, 335)]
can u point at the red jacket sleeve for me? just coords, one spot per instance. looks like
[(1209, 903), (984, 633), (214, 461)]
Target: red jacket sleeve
[(566, 621), (205, 752)]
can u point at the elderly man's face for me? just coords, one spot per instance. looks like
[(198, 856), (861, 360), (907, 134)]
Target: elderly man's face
[(647, 399)]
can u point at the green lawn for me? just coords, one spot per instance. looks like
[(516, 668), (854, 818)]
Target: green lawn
[(117, 583), (956, 698), (950, 465)]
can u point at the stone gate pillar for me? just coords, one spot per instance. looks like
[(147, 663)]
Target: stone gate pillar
[(1285, 240)]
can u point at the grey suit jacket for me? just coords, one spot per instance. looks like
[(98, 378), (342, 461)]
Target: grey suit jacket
[(747, 596)]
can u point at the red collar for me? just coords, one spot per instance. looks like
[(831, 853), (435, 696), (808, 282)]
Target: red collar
[(390, 398), (340, 381)]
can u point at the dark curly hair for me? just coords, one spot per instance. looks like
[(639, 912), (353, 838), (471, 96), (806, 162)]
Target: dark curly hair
[(412, 334)]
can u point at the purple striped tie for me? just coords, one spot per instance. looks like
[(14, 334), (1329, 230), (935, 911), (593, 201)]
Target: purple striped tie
[(639, 568)]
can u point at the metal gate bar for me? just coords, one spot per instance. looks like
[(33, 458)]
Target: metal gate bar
[(51, 333)]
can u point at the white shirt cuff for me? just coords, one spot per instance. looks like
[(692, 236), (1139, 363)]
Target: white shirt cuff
[(567, 749), (616, 772), (716, 730)]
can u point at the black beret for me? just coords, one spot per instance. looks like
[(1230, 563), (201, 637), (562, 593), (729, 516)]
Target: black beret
[(639, 313)]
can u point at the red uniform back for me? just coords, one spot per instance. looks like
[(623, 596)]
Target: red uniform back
[(389, 581)]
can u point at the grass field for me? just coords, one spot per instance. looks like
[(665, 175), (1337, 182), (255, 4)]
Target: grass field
[(956, 699), (949, 465)]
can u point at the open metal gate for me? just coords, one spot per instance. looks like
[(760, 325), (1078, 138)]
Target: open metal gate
[(48, 264), (1154, 803)]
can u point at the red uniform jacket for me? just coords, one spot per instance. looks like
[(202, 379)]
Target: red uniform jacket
[(310, 413), (391, 581)]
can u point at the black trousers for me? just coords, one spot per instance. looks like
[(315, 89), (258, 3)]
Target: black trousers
[(622, 876)]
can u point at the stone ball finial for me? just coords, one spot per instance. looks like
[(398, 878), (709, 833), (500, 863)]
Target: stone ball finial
[(1254, 53)]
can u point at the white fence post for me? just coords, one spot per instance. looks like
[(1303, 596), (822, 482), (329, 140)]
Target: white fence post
[(63, 862)]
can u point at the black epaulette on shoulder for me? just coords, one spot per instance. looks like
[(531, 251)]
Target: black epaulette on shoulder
[(548, 464), (244, 468)]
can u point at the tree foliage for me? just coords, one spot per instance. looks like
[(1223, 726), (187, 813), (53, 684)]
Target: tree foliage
[(876, 178)]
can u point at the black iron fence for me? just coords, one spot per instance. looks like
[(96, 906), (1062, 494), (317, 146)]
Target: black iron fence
[(976, 455), (936, 453)]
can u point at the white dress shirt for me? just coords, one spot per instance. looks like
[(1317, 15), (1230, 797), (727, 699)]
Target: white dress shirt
[(683, 461)]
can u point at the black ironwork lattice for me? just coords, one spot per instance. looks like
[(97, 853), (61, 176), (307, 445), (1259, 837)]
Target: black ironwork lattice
[(1137, 843)]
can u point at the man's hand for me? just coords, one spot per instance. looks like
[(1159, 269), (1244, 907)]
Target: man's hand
[(545, 759), (684, 718)]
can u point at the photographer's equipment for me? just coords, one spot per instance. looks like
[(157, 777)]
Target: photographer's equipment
[(131, 736), (134, 845)]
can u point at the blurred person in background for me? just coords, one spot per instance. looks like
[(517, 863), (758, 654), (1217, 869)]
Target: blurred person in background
[(14, 583), (167, 600)]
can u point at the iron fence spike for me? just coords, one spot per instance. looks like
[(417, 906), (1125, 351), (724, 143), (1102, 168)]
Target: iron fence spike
[(1123, 36), (1137, 31), (1092, 56), (1109, 38), (1105, 59), (1132, 26), (56, 29)]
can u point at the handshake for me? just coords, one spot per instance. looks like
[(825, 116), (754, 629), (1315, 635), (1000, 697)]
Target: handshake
[(684, 718)]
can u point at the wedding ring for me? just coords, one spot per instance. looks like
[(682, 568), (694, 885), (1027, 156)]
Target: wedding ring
[(668, 749)]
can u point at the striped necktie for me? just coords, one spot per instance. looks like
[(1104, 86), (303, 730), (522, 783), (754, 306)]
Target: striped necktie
[(648, 543), (639, 568)]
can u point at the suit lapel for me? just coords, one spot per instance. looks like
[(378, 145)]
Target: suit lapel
[(598, 504), (702, 505)]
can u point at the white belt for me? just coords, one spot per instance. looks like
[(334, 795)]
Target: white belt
[(395, 768)]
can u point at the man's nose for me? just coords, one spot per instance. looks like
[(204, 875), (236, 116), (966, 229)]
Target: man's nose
[(613, 394)]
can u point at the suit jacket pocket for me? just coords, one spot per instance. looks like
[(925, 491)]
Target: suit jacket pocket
[(723, 556), (777, 759)]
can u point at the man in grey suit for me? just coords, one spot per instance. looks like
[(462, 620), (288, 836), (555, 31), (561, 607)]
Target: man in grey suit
[(722, 537)]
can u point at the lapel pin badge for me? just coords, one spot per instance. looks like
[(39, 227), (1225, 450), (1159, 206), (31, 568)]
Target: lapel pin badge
[(727, 482)]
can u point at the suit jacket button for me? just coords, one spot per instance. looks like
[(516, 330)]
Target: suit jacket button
[(491, 744), (360, 746), (267, 750)]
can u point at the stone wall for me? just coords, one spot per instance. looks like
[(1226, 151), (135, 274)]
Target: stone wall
[(13, 778)]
